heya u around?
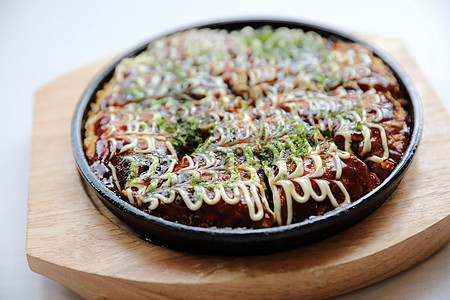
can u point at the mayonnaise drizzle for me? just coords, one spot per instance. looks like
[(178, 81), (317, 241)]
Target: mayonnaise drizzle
[(264, 95), (282, 183), (347, 119)]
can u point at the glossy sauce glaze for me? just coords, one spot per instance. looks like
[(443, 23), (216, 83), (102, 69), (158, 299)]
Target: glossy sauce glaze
[(251, 128)]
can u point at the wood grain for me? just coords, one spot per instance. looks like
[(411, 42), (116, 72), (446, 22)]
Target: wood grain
[(70, 241)]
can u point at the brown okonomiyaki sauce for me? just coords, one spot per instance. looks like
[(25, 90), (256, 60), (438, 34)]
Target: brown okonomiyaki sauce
[(251, 128)]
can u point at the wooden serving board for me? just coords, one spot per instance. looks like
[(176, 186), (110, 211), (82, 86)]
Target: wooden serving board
[(70, 241)]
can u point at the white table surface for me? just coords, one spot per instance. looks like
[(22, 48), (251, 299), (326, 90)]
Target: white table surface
[(41, 40)]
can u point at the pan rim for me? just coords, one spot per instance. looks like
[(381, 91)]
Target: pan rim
[(236, 235)]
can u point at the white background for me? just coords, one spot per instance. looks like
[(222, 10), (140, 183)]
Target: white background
[(41, 40)]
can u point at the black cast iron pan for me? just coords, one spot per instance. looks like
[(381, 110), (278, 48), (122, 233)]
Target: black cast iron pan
[(247, 241)]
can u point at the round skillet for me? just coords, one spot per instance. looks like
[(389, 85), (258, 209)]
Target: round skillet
[(247, 241)]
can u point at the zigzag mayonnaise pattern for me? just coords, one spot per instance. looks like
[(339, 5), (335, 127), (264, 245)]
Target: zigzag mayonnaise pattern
[(261, 118)]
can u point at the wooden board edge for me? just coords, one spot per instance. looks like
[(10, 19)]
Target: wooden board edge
[(439, 237), (406, 254)]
